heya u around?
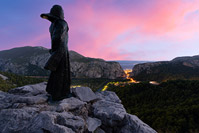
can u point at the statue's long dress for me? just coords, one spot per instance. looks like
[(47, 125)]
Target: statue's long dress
[(59, 81)]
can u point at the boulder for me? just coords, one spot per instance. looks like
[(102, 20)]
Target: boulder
[(5, 100), (99, 130), (84, 94), (31, 99), (108, 96), (46, 122), (8, 100), (109, 113), (29, 90), (16, 120), (93, 124), (70, 104), (76, 123), (134, 124), (3, 77)]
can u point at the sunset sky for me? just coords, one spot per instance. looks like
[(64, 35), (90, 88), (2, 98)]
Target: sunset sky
[(110, 29)]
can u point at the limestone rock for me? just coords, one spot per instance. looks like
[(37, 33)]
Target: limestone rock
[(99, 130), (16, 120), (109, 113), (47, 122), (70, 104), (26, 110), (93, 124), (14, 101), (84, 94), (76, 123), (5, 100), (134, 124), (30, 89), (3, 77), (31, 99), (108, 96)]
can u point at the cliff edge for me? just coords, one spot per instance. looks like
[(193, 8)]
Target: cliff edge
[(26, 110)]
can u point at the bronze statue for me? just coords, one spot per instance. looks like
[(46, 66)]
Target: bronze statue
[(58, 63)]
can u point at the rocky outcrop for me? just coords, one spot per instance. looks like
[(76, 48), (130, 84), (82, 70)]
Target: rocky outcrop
[(27, 110), (146, 67), (178, 68), (3, 77), (31, 61), (96, 69)]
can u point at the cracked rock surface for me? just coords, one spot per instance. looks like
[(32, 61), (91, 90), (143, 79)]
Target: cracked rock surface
[(27, 110)]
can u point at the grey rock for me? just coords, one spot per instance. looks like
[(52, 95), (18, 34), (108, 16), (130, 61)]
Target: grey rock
[(109, 113), (47, 121), (135, 125), (96, 69), (108, 96), (16, 120), (70, 104), (31, 113), (8, 100), (93, 124), (84, 94), (31, 99), (18, 105), (99, 130), (28, 90), (76, 123), (3, 77), (20, 101), (5, 102)]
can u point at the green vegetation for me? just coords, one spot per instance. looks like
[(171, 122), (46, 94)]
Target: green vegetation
[(96, 84), (172, 106), (16, 81)]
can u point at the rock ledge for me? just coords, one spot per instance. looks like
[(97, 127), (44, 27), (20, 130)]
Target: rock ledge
[(26, 110)]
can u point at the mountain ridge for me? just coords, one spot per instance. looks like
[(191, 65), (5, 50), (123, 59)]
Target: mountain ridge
[(185, 67), (31, 60)]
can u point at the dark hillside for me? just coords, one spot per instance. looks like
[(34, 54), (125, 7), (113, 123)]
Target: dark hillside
[(171, 107)]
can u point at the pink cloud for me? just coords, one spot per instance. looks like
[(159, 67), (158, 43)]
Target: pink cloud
[(95, 33)]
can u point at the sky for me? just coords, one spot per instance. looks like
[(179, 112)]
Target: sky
[(149, 30)]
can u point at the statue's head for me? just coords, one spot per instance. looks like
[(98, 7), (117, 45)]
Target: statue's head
[(56, 12)]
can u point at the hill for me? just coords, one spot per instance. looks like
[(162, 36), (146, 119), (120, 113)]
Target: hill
[(171, 107), (178, 68), (31, 60)]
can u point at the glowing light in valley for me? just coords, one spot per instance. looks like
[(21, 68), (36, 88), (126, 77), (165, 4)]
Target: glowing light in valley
[(127, 72), (154, 83), (74, 86)]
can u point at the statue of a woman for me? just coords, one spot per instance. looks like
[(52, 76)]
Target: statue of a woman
[(59, 65)]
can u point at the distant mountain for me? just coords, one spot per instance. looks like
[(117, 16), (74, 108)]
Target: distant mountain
[(178, 68), (31, 60), (129, 64)]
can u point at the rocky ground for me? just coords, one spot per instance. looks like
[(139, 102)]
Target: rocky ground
[(27, 110)]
